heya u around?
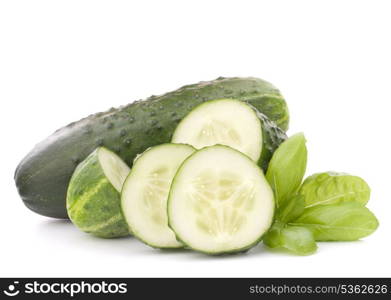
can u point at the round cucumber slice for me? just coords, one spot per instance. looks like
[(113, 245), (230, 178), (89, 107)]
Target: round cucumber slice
[(220, 201), (93, 197), (223, 121), (145, 193)]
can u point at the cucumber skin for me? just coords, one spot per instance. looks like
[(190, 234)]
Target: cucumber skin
[(104, 204), (272, 137), (42, 177)]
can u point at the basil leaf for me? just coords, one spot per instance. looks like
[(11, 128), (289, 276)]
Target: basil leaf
[(291, 209), (272, 238), (296, 239), (332, 188), (346, 221), (287, 167)]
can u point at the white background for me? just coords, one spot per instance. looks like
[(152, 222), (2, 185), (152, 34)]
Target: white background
[(62, 60)]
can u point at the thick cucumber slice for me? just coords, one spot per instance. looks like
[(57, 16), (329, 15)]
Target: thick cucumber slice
[(145, 193), (224, 121), (220, 201), (93, 198)]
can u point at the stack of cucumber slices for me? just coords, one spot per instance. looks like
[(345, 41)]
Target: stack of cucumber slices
[(205, 190)]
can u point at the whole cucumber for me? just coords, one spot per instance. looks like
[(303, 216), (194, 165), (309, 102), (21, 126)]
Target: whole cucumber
[(42, 177)]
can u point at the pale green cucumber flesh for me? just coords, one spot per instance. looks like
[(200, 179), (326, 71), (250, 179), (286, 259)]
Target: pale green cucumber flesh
[(220, 201), (115, 169), (224, 121), (93, 198), (145, 193)]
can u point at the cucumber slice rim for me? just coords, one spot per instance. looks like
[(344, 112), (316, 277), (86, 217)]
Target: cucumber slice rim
[(138, 163), (255, 155), (229, 251)]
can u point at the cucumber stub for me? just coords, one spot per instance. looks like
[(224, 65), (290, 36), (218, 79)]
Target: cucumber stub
[(93, 197), (220, 201), (145, 193), (224, 121)]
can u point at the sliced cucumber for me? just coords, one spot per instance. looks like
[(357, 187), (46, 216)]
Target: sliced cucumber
[(223, 121), (220, 201), (93, 197), (145, 193)]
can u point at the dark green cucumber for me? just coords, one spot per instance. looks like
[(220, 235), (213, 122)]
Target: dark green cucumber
[(42, 177)]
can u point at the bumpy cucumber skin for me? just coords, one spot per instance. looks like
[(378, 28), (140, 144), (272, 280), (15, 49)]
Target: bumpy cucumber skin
[(42, 177), (103, 205), (272, 137), (222, 253)]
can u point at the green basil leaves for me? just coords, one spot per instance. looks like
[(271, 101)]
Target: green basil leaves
[(296, 239), (328, 206), (347, 221), (333, 188), (287, 167)]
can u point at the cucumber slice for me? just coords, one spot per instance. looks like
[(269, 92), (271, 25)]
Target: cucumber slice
[(93, 197), (145, 192), (220, 201), (223, 121)]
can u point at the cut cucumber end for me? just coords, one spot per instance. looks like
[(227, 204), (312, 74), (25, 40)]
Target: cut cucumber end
[(115, 169), (224, 121), (145, 193), (93, 198), (220, 201)]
